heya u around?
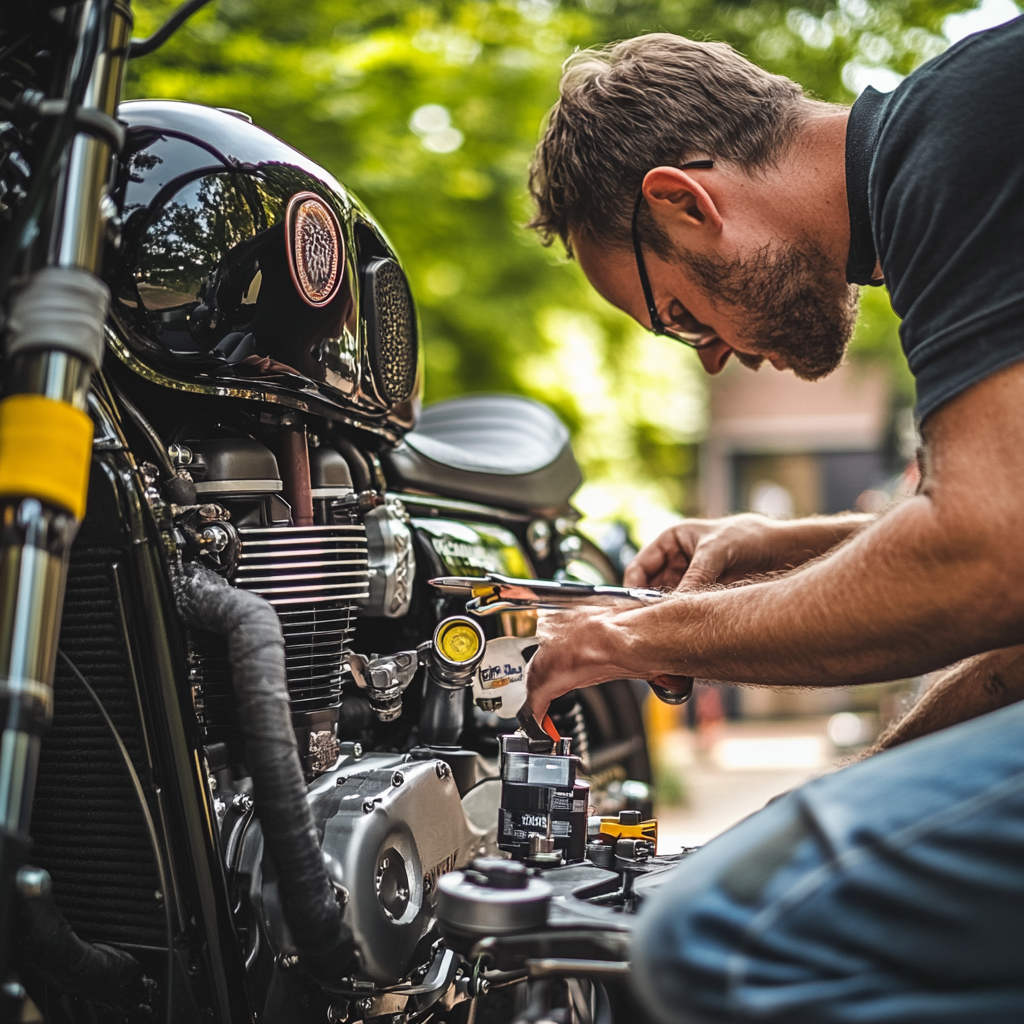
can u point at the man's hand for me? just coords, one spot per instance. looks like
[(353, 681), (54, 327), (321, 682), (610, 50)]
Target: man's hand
[(573, 652), (698, 552)]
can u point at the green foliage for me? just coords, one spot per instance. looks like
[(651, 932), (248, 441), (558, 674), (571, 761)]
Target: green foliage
[(429, 111)]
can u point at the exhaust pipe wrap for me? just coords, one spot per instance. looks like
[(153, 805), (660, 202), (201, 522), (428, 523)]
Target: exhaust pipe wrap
[(256, 653)]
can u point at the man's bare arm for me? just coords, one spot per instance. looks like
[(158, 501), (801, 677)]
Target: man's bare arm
[(969, 689), (697, 552), (938, 578)]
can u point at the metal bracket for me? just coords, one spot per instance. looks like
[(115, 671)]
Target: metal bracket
[(32, 106), (386, 678)]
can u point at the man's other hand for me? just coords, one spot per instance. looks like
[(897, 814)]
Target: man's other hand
[(699, 552), (577, 649)]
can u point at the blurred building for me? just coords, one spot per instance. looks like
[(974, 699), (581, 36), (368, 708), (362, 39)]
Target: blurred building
[(787, 447)]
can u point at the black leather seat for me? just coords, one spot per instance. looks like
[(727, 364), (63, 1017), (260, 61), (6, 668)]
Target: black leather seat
[(495, 449)]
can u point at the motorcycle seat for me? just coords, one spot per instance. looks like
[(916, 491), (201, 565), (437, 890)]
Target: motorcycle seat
[(500, 450)]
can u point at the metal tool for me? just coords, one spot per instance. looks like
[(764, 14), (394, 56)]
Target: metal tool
[(487, 595)]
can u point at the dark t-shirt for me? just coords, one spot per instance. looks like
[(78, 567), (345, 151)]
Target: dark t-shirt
[(935, 184)]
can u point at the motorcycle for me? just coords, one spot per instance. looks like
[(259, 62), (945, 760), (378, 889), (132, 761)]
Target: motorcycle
[(255, 766)]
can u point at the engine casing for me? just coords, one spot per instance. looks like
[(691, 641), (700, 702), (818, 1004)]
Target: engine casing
[(389, 828)]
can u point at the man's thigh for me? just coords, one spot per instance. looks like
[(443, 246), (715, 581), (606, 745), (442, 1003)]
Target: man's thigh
[(891, 891)]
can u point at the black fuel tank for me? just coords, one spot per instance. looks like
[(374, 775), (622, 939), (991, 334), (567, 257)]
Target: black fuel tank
[(247, 269)]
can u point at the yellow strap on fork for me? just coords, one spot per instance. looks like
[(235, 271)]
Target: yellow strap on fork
[(45, 451)]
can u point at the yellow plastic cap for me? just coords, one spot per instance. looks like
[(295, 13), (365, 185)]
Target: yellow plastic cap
[(459, 642)]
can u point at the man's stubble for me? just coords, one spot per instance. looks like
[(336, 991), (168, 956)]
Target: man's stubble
[(788, 302)]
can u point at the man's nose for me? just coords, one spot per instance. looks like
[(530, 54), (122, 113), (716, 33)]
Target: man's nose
[(715, 356)]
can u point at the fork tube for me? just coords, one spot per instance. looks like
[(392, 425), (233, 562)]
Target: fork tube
[(46, 438)]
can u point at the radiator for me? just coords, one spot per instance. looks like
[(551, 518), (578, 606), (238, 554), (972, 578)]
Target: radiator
[(87, 828)]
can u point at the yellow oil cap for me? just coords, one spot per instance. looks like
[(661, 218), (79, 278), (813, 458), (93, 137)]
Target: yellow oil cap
[(459, 640)]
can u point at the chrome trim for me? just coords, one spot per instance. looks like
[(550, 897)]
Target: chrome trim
[(303, 576), (239, 487), (332, 492), (266, 566), (292, 531), (453, 506), (315, 405)]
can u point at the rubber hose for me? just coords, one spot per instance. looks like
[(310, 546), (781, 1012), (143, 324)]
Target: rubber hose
[(257, 656), (362, 480), (48, 946)]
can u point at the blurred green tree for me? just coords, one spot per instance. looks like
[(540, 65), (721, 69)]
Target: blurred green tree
[(429, 110)]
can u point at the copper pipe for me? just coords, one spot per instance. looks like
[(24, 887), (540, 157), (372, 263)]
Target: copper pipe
[(293, 462)]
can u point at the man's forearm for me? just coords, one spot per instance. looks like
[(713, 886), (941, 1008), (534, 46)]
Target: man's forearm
[(971, 688), (797, 541), (910, 593), (936, 579)]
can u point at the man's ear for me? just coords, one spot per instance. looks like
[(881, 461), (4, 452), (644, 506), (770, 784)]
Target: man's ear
[(677, 196)]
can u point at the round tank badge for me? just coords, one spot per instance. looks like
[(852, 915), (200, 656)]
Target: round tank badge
[(316, 250)]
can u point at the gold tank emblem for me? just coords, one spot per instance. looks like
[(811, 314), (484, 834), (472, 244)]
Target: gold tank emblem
[(315, 248)]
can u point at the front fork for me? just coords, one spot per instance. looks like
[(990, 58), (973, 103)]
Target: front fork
[(53, 343)]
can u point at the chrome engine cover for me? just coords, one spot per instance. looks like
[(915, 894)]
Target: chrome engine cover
[(392, 561), (389, 828)]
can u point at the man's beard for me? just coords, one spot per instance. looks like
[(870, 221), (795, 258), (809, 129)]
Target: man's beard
[(788, 303)]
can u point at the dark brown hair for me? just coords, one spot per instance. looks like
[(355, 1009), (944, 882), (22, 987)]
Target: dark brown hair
[(656, 100)]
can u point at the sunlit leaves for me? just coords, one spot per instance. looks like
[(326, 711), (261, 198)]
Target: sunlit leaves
[(430, 110)]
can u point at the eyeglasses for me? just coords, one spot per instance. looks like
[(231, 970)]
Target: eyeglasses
[(687, 328)]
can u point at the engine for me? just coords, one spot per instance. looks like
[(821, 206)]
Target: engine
[(316, 577), (389, 823)]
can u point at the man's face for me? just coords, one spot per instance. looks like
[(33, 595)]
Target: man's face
[(781, 301)]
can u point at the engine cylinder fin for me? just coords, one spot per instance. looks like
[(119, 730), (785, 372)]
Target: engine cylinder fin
[(313, 576)]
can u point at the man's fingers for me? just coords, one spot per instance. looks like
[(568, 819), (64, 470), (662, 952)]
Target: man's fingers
[(647, 564), (702, 572), (669, 552)]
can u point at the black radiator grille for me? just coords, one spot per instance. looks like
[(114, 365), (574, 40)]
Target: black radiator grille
[(87, 828)]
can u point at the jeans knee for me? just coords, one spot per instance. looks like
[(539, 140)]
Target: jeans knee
[(688, 934)]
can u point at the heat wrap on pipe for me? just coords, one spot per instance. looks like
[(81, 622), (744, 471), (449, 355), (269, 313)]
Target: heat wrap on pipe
[(256, 653)]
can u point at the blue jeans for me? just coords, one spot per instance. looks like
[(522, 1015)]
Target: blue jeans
[(891, 891)]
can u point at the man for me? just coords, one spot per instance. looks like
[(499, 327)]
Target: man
[(716, 203)]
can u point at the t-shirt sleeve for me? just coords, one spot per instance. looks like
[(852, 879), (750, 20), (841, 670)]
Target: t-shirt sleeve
[(947, 197)]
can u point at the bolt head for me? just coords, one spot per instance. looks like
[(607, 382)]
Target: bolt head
[(442, 769), (337, 1011), (34, 882), (397, 779)]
